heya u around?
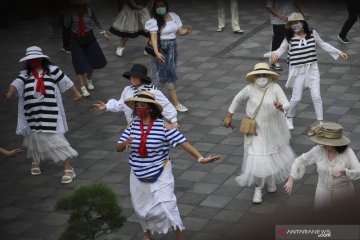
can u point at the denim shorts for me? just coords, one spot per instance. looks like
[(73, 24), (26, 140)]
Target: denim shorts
[(165, 73)]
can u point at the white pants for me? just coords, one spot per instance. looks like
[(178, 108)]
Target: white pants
[(298, 88), (234, 14), (260, 182)]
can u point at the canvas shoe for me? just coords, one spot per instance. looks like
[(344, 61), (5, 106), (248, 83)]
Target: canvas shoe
[(90, 85), (257, 195), (84, 92), (239, 31), (119, 51), (289, 121), (181, 108), (344, 40), (220, 29), (276, 66)]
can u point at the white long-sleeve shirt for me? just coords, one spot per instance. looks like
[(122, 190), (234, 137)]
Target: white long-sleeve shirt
[(306, 69), (113, 105)]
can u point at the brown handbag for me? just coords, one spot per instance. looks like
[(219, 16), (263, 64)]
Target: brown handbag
[(248, 125)]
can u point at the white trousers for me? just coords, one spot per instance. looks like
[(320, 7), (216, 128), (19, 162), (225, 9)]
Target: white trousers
[(234, 14), (298, 88)]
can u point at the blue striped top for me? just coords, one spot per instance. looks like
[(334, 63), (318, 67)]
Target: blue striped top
[(158, 142)]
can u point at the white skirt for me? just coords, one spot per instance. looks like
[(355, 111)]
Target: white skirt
[(275, 165), (48, 146), (155, 203)]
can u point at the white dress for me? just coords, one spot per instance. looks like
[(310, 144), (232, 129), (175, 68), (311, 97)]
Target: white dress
[(329, 187), (269, 153)]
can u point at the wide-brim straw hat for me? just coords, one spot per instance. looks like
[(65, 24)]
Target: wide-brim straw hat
[(261, 68), (145, 97), (138, 70), (80, 1), (295, 16), (329, 133), (32, 53)]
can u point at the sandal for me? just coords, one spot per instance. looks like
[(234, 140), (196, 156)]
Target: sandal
[(35, 169), (68, 178)]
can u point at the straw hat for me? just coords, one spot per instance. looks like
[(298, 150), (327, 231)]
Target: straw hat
[(145, 97), (80, 1), (295, 16), (32, 53), (328, 134), (261, 68), (138, 70)]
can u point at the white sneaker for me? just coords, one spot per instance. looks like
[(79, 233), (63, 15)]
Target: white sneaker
[(257, 195), (289, 121), (271, 189), (145, 53), (119, 51), (90, 85), (220, 29), (84, 92), (239, 31), (181, 108)]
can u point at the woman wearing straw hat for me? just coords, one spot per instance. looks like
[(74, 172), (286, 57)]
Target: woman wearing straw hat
[(41, 115), (151, 178), (85, 51), (267, 155), (337, 165), (139, 82), (300, 43)]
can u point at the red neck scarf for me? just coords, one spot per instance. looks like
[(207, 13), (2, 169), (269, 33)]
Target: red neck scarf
[(142, 148), (81, 24), (40, 87)]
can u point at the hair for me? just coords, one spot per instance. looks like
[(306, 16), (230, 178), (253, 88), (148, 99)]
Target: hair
[(341, 149), (159, 18), (45, 65), (289, 33), (155, 111)]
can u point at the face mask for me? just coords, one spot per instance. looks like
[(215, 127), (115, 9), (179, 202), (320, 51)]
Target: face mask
[(297, 27), (142, 112), (161, 10), (261, 81), (34, 63)]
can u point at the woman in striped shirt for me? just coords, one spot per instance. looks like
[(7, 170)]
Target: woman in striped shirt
[(304, 72), (41, 115), (151, 178)]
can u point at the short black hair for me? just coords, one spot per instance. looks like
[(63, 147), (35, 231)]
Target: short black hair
[(155, 111), (341, 149)]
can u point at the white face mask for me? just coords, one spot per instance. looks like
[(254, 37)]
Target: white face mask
[(262, 81), (297, 27)]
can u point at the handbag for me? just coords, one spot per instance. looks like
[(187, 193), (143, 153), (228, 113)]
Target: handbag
[(248, 125), (149, 47)]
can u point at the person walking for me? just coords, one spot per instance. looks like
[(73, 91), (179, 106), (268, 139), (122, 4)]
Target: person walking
[(267, 153), (280, 10), (165, 25), (234, 16), (151, 180), (300, 45), (85, 51), (139, 82), (41, 115), (130, 22), (337, 165), (353, 7)]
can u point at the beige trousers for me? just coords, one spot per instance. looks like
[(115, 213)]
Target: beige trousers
[(234, 14)]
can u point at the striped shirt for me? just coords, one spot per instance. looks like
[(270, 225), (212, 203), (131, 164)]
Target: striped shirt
[(41, 111), (302, 51), (158, 142)]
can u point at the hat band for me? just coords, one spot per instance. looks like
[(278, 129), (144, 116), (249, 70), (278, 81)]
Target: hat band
[(261, 69), (321, 132), (34, 53), (145, 96)]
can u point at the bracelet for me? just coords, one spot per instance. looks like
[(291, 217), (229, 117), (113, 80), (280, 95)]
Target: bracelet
[(200, 159)]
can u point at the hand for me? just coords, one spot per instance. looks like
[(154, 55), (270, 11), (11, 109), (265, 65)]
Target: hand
[(283, 18), (344, 56), (7, 97), (175, 125), (13, 153), (278, 105), (128, 142), (189, 30), (160, 57), (339, 174), (274, 58), (99, 106), (209, 159), (289, 185), (106, 37), (227, 122)]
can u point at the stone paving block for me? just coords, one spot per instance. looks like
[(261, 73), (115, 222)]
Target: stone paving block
[(205, 188), (55, 219), (39, 230), (337, 110), (9, 213), (265, 208), (193, 223), (15, 227), (192, 176), (228, 216), (191, 198), (225, 168), (41, 192), (32, 215), (300, 201), (216, 201), (185, 209)]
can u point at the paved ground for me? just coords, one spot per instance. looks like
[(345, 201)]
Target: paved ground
[(211, 71)]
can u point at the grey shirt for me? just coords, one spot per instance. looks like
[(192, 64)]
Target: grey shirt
[(284, 7)]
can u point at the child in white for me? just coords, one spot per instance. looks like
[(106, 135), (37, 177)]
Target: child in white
[(304, 72)]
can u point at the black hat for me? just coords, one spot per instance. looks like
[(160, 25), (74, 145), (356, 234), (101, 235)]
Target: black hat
[(138, 70)]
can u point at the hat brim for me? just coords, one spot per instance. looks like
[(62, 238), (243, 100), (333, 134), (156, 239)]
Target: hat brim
[(251, 75), (331, 142), (130, 102), (33, 57), (145, 78)]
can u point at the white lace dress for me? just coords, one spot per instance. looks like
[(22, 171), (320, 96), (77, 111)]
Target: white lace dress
[(329, 187), (269, 153)]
